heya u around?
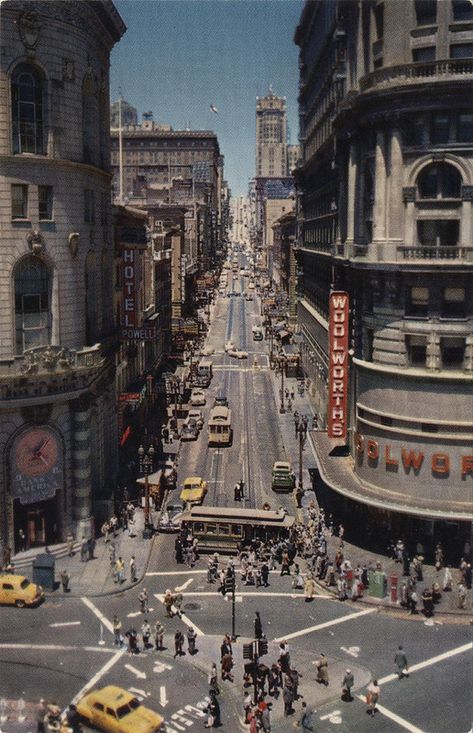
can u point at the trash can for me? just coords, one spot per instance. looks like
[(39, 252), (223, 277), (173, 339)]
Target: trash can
[(393, 585), (43, 571), (377, 586)]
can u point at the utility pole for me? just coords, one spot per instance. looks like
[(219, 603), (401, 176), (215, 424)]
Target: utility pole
[(282, 365), (230, 588)]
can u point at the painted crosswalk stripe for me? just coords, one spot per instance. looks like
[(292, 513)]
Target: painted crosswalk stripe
[(429, 662), (326, 624), (108, 624), (402, 722), (65, 623)]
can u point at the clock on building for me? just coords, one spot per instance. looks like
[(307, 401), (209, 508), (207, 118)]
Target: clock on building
[(36, 465)]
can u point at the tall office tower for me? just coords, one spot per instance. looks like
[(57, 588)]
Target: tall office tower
[(58, 432), (271, 136), (385, 196)]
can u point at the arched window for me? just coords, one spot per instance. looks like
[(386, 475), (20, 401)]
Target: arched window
[(27, 86), (32, 304), (439, 181)]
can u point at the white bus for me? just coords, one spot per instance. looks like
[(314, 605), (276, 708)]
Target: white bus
[(220, 426), (203, 373)]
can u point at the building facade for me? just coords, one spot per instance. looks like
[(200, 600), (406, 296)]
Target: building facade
[(271, 136), (385, 214), (57, 403), (240, 219)]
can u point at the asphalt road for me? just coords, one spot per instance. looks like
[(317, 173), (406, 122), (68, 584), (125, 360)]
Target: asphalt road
[(65, 646)]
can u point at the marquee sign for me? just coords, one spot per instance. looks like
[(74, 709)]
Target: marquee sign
[(337, 404)]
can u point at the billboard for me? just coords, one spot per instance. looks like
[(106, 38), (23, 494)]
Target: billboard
[(337, 403)]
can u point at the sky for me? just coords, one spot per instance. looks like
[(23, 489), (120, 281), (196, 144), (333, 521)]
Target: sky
[(178, 57)]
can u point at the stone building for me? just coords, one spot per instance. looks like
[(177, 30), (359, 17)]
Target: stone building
[(285, 262), (57, 409), (385, 214), (240, 219), (271, 136)]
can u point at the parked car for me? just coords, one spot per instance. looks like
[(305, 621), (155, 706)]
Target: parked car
[(221, 401), (197, 416), (16, 590), (189, 430), (229, 346), (194, 491), (197, 398), (115, 710), (283, 478), (170, 518), (238, 354)]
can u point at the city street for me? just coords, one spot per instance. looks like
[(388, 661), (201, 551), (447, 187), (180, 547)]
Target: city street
[(73, 639)]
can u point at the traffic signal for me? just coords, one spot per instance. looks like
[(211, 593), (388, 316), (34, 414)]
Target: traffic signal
[(229, 585), (248, 651), (262, 647)]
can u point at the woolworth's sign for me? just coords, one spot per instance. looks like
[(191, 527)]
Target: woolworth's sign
[(337, 403)]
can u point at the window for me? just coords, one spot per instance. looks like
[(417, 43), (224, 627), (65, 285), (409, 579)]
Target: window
[(45, 202), (439, 181), (379, 20), (99, 706), (416, 347), (426, 12), (438, 232), (417, 302), (19, 201), (461, 50), (90, 122), (440, 129), (424, 54), (32, 317), (465, 127), (414, 129), (89, 207), (452, 351), (462, 10), (453, 303), (27, 109)]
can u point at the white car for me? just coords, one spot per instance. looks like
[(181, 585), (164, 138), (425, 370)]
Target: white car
[(197, 398), (207, 351), (238, 354), (229, 346), (196, 416)]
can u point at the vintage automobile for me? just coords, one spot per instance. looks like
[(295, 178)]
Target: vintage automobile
[(283, 478), (197, 398), (238, 354), (194, 491), (170, 520), (16, 590), (189, 429), (116, 710), (197, 416)]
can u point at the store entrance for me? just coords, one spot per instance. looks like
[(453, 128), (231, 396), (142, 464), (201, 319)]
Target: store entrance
[(38, 522)]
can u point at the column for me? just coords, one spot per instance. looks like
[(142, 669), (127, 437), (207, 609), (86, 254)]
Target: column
[(395, 214), (379, 214), (351, 198), (82, 508)]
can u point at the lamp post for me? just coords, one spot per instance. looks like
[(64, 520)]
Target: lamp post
[(282, 365), (301, 430), (146, 466)]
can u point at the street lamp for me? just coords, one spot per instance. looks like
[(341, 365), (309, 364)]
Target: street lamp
[(146, 466), (301, 432), (282, 366)]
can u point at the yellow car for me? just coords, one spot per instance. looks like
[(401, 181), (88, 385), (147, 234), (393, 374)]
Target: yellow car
[(194, 491), (16, 590), (116, 710)]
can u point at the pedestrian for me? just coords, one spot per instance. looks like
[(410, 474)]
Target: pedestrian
[(41, 712), (428, 602), (242, 489), (347, 683), (322, 670), (266, 719), (132, 636), (372, 697), (412, 602), (289, 405), (178, 601), (22, 540), (285, 569), (178, 642), (215, 708), (236, 492), (119, 570), (70, 544), (226, 646), (133, 577), (65, 578), (210, 720), (73, 719), (447, 579), (461, 590), (227, 666), (306, 721), (258, 626), (178, 551), (400, 660), (294, 676), (146, 633), (117, 631), (158, 635), (213, 679), (287, 698), (83, 550), (293, 394), (299, 494), (191, 637), (144, 600)]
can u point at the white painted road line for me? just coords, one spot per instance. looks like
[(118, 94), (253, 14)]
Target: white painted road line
[(178, 572), (108, 624), (137, 672), (184, 616), (65, 623), (185, 585), (250, 593), (55, 647), (430, 662), (326, 624), (395, 718), (93, 680)]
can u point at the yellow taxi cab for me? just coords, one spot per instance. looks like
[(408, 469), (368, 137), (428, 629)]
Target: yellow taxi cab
[(114, 709), (16, 590), (194, 491)]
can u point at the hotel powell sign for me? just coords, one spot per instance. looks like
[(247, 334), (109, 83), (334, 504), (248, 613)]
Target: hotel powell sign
[(337, 403)]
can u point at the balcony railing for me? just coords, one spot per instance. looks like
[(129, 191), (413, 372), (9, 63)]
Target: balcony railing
[(442, 252), (417, 72)]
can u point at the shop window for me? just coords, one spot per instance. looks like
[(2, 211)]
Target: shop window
[(462, 10), (461, 51), (452, 351), (438, 232), (45, 203), (439, 181), (19, 201), (426, 12), (440, 129), (27, 88), (465, 127), (423, 54), (32, 309), (453, 303), (417, 302), (416, 347)]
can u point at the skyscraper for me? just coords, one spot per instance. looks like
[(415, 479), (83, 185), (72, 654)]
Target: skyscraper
[(271, 136)]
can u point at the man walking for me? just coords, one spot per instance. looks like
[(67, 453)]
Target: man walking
[(306, 720), (347, 683), (158, 635), (258, 626), (117, 631), (84, 554), (178, 642), (400, 660), (65, 578), (133, 577), (143, 599)]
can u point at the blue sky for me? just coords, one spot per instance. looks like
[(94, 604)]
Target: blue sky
[(179, 56)]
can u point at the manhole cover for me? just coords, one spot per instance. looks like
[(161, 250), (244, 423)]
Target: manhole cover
[(192, 607)]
